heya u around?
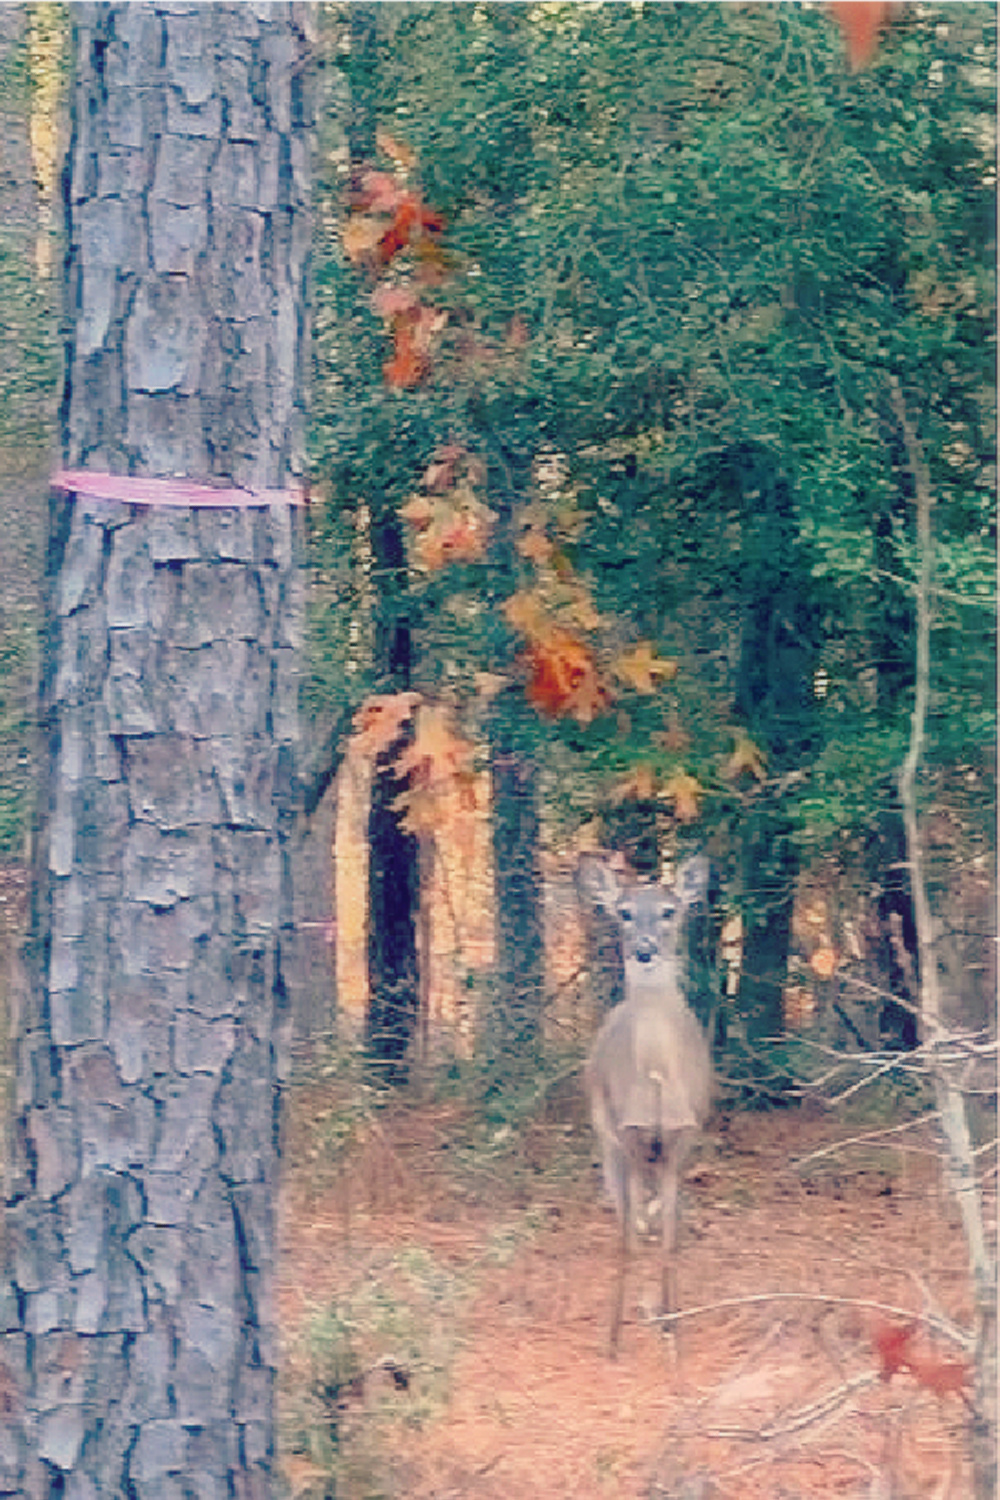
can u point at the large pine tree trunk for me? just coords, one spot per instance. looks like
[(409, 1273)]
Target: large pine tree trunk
[(140, 1216)]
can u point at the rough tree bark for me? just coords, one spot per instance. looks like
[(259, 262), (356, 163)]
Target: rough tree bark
[(140, 1236)]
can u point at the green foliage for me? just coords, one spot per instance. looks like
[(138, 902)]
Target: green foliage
[(365, 1369), (724, 248), (17, 658)]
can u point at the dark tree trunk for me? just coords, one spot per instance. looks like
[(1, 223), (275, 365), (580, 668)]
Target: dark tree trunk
[(512, 435), (140, 1205), (703, 977), (770, 868), (891, 952), (393, 854), (775, 700)]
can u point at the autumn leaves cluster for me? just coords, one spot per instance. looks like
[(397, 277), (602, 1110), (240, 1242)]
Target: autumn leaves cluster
[(571, 663)]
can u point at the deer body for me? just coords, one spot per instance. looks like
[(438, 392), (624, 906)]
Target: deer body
[(649, 1075)]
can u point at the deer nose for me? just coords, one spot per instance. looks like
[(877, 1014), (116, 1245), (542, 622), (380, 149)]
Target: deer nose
[(645, 952)]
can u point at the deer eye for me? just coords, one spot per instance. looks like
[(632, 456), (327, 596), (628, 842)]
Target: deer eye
[(626, 913)]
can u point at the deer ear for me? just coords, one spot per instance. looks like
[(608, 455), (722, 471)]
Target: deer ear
[(598, 881), (693, 879)]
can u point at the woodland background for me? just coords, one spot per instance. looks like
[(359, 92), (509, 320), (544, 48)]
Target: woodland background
[(637, 330)]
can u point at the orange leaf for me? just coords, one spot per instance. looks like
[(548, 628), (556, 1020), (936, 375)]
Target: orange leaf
[(824, 962), (453, 527), (861, 23), (684, 791), (438, 766), (638, 786), (564, 678), (464, 537), (535, 546), (436, 756), (408, 365), (641, 668)]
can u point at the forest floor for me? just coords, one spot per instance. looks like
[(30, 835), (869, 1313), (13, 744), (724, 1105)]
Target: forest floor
[(444, 1313)]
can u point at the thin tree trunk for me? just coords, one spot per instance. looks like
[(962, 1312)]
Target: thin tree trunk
[(516, 796), (520, 946), (140, 1206), (945, 1051)]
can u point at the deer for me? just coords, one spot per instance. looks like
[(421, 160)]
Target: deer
[(649, 1073)]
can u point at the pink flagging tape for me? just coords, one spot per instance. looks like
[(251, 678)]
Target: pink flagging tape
[(136, 489)]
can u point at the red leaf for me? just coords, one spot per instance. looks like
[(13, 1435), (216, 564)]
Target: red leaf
[(397, 236), (861, 22), (892, 1344), (407, 366), (942, 1376)]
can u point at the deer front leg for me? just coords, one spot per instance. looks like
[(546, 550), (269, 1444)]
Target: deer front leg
[(625, 1215), (668, 1229)]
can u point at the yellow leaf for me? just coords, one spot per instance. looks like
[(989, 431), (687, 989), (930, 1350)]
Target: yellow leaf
[(747, 757), (684, 791), (419, 511), (403, 155), (526, 613), (360, 236), (642, 669)]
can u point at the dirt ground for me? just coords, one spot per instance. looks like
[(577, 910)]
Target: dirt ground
[(498, 1385)]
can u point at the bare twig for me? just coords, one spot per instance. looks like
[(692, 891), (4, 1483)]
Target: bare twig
[(863, 1139), (942, 1326), (805, 1416)]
